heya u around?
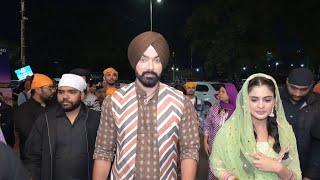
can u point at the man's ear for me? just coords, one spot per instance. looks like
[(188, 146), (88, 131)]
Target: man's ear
[(83, 95), (37, 90)]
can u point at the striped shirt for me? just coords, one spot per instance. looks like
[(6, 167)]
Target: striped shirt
[(147, 138)]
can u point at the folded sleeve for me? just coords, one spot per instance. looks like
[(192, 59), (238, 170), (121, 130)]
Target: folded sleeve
[(189, 133), (106, 136)]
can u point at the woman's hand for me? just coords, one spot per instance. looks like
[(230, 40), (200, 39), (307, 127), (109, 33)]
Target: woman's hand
[(265, 163), (206, 145)]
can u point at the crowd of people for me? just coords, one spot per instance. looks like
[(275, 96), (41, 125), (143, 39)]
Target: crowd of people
[(149, 130)]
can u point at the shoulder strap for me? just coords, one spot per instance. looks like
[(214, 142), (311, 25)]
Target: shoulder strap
[(25, 95)]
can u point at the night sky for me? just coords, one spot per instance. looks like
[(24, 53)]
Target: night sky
[(56, 29), (65, 34)]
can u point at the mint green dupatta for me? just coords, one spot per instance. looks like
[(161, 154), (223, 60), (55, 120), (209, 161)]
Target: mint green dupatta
[(235, 141)]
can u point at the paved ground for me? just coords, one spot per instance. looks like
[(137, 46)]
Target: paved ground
[(203, 165)]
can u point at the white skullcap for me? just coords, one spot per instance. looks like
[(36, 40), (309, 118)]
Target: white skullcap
[(72, 80)]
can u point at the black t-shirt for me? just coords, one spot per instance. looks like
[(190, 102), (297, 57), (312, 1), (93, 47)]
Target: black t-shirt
[(71, 154)]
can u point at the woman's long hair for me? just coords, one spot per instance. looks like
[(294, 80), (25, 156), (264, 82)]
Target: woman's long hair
[(272, 125)]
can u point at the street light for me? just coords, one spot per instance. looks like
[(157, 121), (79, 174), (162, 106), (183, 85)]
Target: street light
[(159, 1), (302, 65), (277, 65)]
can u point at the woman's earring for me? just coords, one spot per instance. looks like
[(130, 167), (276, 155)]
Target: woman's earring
[(271, 114)]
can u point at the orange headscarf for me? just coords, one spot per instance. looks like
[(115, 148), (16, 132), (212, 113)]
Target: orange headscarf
[(316, 88), (110, 70), (190, 84), (40, 80)]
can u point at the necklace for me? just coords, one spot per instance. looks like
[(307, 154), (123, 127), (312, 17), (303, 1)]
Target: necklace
[(146, 98)]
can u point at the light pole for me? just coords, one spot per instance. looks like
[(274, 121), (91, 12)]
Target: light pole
[(22, 32), (159, 1), (172, 67)]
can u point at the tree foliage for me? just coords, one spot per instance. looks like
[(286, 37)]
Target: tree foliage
[(230, 34)]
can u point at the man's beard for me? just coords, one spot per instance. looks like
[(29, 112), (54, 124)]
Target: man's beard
[(71, 105), (148, 81), (111, 83), (46, 98)]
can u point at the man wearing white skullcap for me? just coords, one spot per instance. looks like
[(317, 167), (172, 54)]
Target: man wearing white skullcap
[(61, 143)]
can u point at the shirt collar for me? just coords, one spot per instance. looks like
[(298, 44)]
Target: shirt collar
[(142, 93)]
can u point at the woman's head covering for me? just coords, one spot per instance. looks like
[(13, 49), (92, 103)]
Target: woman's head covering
[(140, 44), (237, 137), (232, 94)]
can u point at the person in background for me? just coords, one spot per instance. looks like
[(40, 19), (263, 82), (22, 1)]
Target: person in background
[(6, 121), (25, 115), (316, 87), (110, 77), (91, 100), (61, 143), (218, 114), (180, 88), (191, 89), (88, 98), (257, 142), (196, 102), (301, 106), (24, 95)]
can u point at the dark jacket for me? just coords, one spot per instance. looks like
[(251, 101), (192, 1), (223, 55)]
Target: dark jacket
[(24, 117), (6, 122), (40, 146), (11, 166), (307, 133)]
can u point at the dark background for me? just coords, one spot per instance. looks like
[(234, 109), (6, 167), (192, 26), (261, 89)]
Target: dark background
[(223, 36)]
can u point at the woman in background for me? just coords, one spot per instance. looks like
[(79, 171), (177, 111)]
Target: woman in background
[(218, 114)]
